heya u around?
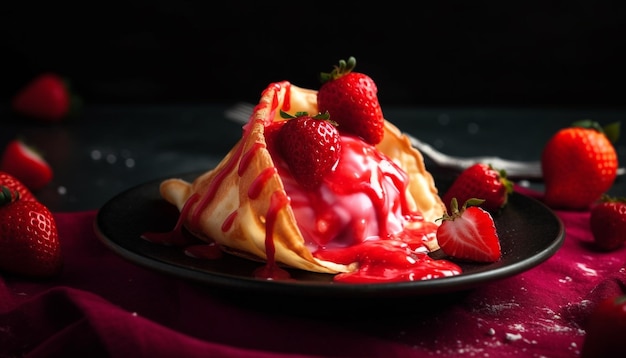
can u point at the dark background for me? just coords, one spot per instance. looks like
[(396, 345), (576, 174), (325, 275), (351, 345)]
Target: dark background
[(496, 53)]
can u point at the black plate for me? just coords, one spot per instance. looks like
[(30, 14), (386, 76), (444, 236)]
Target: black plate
[(529, 232)]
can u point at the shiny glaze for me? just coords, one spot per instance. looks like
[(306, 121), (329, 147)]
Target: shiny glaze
[(358, 215)]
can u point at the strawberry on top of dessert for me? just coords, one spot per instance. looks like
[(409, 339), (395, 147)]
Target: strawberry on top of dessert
[(369, 217)]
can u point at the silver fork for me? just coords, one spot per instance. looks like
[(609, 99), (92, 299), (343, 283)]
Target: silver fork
[(516, 170)]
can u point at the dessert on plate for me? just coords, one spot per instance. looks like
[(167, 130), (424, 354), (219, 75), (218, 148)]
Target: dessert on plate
[(342, 192)]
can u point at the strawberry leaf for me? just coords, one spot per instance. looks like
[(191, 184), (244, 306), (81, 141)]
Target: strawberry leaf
[(612, 131), (473, 202), (587, 123), (338, 71), (7, 195)]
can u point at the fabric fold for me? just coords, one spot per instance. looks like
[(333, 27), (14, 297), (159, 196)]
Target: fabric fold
[(104, 305)]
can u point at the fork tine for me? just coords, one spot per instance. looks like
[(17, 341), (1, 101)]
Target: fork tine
[(242, 111)]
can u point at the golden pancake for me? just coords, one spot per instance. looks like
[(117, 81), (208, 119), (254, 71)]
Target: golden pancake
[(242, 204)]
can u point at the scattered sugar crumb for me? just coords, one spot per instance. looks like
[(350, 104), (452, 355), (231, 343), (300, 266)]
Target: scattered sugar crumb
[(512, 337), (551, 326), (587, 271), (573, 347), (494, 309), (565, 280)]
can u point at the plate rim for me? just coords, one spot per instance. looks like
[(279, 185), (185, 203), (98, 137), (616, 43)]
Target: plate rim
[(461, 282)]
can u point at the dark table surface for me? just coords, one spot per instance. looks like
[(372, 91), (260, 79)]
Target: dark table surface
[(108, 149)]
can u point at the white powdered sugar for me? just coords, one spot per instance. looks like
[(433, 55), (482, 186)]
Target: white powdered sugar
[(511, 337), (587, 271)]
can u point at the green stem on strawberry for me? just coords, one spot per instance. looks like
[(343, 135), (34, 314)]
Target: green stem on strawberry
[(611, 130), (338, 71), (612, 199), (7, 195), (455, 211), (320, 116)]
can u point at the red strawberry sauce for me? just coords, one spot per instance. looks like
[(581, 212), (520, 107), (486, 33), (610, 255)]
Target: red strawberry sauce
[(358, 215)]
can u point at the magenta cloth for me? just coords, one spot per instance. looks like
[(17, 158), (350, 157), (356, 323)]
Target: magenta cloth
[(104, 306)]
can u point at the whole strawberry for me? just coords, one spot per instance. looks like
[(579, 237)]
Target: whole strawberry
[(29, 241), (26, 164), (469, 233), (47, 97), (608, 223), (481, 181), (605, 329), (310, 145), (351, 98), (579, 164), (14, 184)]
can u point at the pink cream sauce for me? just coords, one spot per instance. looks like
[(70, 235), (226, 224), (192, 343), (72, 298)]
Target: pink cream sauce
[(359, 214)]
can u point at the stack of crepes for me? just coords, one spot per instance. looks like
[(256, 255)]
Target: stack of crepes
[(383, 216)]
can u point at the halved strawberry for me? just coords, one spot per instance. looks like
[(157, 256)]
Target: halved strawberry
[(469, 233), (310, 146), (26, 164), (47, 97), (351, 98)]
